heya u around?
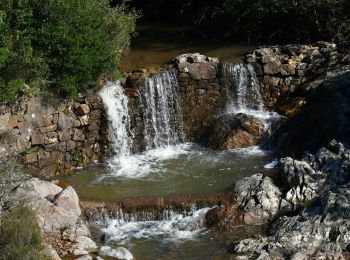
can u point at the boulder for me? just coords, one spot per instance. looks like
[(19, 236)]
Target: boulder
[(118, 253), (52, 218), (234, 131)]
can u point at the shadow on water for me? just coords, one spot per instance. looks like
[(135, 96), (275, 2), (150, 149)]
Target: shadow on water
[(157, 44)]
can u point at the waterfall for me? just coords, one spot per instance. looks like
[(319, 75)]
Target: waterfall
[(116, 104), (244, 94), (162, 113), (163, 125), (169, 224)]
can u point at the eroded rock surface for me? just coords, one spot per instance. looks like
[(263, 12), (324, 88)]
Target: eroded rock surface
[(318, 189)]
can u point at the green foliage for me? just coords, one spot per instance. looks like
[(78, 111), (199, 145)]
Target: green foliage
[(61, 45), (20, 236)]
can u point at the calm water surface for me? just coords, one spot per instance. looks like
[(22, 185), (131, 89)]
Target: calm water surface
[(156, 45)]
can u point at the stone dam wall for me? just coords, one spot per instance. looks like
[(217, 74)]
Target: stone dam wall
[(59, 136)]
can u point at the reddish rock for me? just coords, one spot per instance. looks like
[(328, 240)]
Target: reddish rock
[(130, 205), (131, 92), (235, 131)]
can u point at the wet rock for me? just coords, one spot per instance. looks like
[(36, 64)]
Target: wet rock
[(200, 71), (118, 253), (234, 131)]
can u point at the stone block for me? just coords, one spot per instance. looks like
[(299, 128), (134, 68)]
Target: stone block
[(37, 138), (288, 69), (82, 110), (272, 67), (78, 135)]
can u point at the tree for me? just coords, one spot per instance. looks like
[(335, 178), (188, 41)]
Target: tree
[(61, 45)]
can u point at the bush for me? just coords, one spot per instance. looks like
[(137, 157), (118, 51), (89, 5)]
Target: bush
[(20, 236), (60, 45)]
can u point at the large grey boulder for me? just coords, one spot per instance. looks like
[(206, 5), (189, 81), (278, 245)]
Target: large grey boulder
[(56, 208)]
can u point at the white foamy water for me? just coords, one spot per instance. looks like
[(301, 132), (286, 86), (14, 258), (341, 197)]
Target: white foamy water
[(172, 226), (116, 104), (162, 123), (245, 93), (245, 96), (272, 164), (251, 151), (151, 161), (162, 112)]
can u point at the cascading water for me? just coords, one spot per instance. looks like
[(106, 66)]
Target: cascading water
[(244, 96), (116, 103), (163, 125), (163, 120), (169, 225)]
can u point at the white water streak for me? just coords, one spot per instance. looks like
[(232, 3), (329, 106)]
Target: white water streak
[(172, 226), (116, 104), (163, 119)]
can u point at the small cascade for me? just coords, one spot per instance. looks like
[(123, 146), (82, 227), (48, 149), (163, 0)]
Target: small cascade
[(244, 95), (163, 126), (168, 224), (163, 120), (116, 103)]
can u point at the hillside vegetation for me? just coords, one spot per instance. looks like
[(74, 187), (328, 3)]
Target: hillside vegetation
[(60, 45)]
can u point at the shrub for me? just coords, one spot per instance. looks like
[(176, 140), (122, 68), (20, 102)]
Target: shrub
[(20, 236), (61, 45)]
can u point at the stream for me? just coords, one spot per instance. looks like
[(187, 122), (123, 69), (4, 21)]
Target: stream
[(170, 165)]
